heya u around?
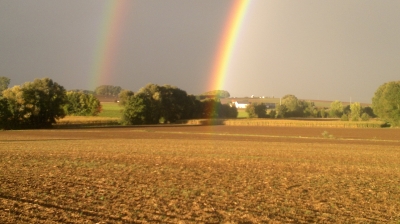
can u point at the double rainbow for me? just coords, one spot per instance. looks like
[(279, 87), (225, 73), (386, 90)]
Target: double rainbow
[(111, 29)]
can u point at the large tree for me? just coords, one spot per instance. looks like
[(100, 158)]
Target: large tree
[(293, 106), (255, 110), (336, 109), (154, 103), (138, 110), (386, 102), (82, 104), (36, 104), (123, 96), (356, 110)]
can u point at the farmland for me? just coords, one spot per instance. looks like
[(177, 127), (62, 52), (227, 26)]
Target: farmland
[(200, 174)]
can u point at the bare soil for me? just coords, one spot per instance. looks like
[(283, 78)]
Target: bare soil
[(200, 174)]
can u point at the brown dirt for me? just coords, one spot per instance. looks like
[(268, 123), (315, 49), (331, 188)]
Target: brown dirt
[(200, 174)]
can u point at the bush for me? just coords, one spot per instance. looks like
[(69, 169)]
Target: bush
[(365, 117), (344, 117)]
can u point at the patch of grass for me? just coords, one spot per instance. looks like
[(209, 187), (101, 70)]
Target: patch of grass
[(242, 113), (110, 109)]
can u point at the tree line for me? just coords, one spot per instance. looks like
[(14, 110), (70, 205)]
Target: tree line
[(291, 106), (40, 103), (153, 104)]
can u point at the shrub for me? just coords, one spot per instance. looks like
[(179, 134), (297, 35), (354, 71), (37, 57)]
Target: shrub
[(344, 117), (365, 117)]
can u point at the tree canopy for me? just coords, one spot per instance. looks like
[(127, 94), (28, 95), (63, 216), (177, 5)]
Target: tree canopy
[(154, 103), (255, 110), (35, 104), (336, 109), (386, 102), (217, 93), (107, 90), (81, 104)]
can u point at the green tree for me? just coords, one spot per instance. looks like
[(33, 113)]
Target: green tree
[(137, 110), (386, 102), (272, 114), (15, 103), (322, 112), (346, 110), (309, 109), (123, 96), (336, 109), (368, 111), (81, 104), (4, 82), (5, 113), (355, 111), (365, 117), (344, 117), (36, 104), (107, 90), (255, 110), (293, 106)]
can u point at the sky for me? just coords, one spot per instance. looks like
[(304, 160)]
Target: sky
[(321, 50)]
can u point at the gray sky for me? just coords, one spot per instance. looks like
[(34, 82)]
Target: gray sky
[(313, 49)]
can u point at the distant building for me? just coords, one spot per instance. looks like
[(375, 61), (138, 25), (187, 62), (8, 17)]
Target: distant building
[(240, 104)]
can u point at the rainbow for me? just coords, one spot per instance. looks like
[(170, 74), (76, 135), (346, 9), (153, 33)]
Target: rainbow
[(108, 42), (227, 43)]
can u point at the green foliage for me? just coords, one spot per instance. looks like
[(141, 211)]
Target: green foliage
[(35, 104), (368, 111), (211, 108), (272, 114), (355, 109), (5, 114), (386, 102), (81, 104), (217, 93), (4, 82), (309, 109), (154, 103), (82, 91), (123, 96), (336, 109), (255, 110), (344, 117), (293, 107), (281, 111), (365, 117), (107, 90), (138, 110), (323, 113)]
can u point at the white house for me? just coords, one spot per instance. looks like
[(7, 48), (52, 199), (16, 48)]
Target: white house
[(242, 104)]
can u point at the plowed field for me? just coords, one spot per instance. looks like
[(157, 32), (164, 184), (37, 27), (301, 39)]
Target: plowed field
[(200, 174)]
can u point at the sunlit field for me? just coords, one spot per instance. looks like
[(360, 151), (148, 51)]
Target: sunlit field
[(200, 174), (110, 109)]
